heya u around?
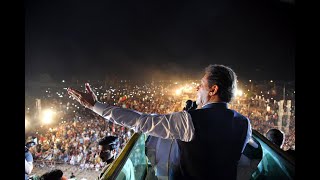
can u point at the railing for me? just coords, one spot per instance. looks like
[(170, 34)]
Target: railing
[(275, 163), (131, 163)]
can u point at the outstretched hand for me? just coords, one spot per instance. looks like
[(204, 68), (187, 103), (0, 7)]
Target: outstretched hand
[(87, 98)]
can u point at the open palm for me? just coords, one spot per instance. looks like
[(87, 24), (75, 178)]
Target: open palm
[(87, 98)]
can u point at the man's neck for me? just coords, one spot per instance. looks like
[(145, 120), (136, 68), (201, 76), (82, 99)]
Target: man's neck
[(213, 100), (209, 102)]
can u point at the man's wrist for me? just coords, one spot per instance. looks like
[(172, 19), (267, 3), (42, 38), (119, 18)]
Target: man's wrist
[(99, 107), (92, 104)]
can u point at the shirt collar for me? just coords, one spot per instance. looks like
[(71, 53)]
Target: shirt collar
[(215, 104)]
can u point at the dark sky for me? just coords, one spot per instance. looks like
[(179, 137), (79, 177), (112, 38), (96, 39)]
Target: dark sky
[(160, 39)]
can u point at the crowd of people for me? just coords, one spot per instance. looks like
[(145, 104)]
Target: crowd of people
[(72, 138), (264, 115)]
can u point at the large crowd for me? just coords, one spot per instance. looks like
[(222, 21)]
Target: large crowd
[(71, 138)]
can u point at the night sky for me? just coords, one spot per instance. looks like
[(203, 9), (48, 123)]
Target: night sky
[(159, 39)]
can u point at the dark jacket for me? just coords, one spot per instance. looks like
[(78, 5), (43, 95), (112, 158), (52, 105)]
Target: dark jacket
[(216, 147)]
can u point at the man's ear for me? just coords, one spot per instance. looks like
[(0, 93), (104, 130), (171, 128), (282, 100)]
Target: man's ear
[(213, 90)]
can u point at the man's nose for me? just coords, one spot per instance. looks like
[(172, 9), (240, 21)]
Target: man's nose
[(197, 88)]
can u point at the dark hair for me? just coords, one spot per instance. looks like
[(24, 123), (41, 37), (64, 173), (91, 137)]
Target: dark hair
[(111, 141), (30, 144), (275, 136), (225, 78), (55, 174)]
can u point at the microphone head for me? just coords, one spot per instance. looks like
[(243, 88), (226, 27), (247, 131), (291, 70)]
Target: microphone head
[(194, 105), (188, 105)]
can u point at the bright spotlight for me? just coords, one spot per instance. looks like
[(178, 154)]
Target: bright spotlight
[(47, 116), (26, 123), (239, 92), (178, 92)]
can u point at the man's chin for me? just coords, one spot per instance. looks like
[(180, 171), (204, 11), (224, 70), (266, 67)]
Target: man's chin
[(199, 104)]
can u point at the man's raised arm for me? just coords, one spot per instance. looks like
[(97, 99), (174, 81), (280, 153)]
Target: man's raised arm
[(177, 125)]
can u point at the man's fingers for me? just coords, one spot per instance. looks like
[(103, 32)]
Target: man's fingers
[(74, 91), (79, 96), (72, 94), (75, 94)]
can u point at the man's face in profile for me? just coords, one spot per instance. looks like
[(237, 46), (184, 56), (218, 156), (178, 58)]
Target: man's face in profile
[(203, 92), (105, 153)]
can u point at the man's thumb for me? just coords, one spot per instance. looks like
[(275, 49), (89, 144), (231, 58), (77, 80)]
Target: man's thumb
[(88, 88)]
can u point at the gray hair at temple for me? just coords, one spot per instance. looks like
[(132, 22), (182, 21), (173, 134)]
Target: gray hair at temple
[(225, 78)]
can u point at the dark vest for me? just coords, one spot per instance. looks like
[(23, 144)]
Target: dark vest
[(216, 147)]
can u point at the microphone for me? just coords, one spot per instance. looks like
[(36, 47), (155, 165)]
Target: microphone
[(190, 105), (194, 105)]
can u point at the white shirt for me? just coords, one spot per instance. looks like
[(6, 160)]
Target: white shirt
[(28, 166), (177, 125)]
